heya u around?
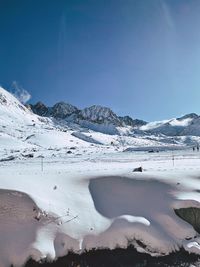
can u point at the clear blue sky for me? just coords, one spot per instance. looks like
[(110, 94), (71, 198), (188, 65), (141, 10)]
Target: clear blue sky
[(139, 57)]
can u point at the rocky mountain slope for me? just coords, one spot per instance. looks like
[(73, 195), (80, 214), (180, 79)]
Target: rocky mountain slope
[(95, 114), (103, 119), (60, 110)]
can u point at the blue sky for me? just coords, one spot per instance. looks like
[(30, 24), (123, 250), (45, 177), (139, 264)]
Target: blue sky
[(139, 57)]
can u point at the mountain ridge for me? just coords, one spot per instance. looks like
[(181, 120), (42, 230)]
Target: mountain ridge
[(95, 116), (95, 113)]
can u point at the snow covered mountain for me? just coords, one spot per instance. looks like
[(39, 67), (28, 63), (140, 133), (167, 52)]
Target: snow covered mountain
[(94, 114), (39, 108), (40, 129), (60, 110), (99, 114), (24, 134), (13, 114), (127, 120), (186, 125), (103, 119)]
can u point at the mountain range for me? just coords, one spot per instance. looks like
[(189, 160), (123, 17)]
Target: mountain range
[(95, 116), (35, 130)]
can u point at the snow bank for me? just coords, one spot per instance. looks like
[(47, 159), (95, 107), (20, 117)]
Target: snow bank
[(46, 214)]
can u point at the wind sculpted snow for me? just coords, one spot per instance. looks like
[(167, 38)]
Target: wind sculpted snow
[(45, 215), (18, 227), (116, 196)]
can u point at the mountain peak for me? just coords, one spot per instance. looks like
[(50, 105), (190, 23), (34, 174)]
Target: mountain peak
[(127, 120), (99, 114), (188, 116), (39, 108), (62, 110)]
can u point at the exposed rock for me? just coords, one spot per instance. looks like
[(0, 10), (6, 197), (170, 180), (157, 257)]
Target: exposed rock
[(120, 258), (127, 120), (62, 110), (189, 116), (7, 159), (39, 108), (139, 169), (190, 215), (30, 155), (99, 114)]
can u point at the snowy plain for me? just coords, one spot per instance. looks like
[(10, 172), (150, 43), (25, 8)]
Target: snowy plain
[(79, 203)]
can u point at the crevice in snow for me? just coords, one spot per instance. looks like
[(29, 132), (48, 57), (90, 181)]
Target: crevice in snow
[(190, 215)]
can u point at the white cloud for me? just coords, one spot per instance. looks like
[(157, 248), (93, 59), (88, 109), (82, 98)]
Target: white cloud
[(167, 14), (20, 93)]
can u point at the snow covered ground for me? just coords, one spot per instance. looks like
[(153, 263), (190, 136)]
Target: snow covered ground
[(64, 187), (96, 201)]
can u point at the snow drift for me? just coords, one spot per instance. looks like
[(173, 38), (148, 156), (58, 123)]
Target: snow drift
[(45, 215)]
